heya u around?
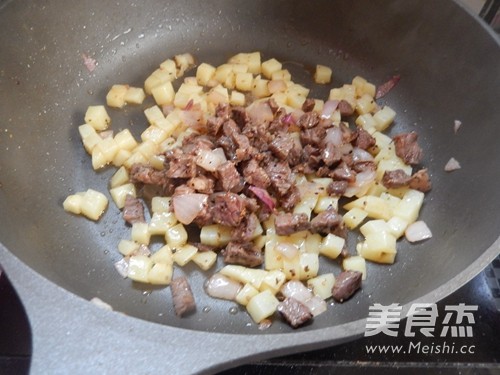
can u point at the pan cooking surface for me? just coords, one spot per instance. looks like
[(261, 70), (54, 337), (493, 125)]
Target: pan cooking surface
[(46, 89)]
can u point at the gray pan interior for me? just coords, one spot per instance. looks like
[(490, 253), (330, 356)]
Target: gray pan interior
[(450, 69)]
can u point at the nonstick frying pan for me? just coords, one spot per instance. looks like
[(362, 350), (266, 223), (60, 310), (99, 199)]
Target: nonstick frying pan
[(449, 65)]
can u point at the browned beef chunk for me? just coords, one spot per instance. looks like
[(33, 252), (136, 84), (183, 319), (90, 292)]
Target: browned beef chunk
[(407, 148), (182, 296), (363, 166), (245, 231), (346, 284), (183, 189), (214, 124), (294, 312), (180, 165), (308, 105), (395, 179), (325, 222), (223, 110), (291, 198), (229, 177), (240, 116), (337, 188), (364, 140), (420, 180), (313, 136), (204, 247), (204, 217), (244, 254), (228, 209), (287, 223), (295, 152), (345, 108), (227, 145), (202, 184), (148, 175), (280, 175), (230, 128), (347, 134), (282, 145), (330, 154), (133, 211), (194, 142), (308, 120), (256, 175), (273, 105), (343, 172)]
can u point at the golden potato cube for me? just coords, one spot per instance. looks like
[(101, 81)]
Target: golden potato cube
[(154, 114), (291, 267), (397, 226), (161, 204), (93, 204), (183, 254), (355, 263), (116, 96), (176, 236), (135, 158), (237, 98), (169, 66), (244, 275), (273, 259), (243, 81), (323, 74), (215, 235), (331, 246), (154, 134), (128, 247), (306, 205), (378, 243), (163, 255), (108, 147), (246, 293), (183, 62), (205, 259), (97, 117), (322, 285), (160, 274), (262, 306), (125, 140), (384, 118), (309, 265), (139, 267), (374, 226), (260, 88), (354, 217), (140, 233), (312, 243), (326, 202), (273, 281), (135, 95), (160, 222), (73, 203), (366, 121), (270, 66), (204, 73), (218, 94), (147, 148), (252, 60), (365, 104), (221, 72), (282, 74), (375, 207), (409, 207), (164, 93), (121, 157), (119, 194)]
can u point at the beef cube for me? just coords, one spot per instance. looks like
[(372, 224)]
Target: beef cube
[(214, 124), (281, 146), (202, 184), (364, 140), (245, 231), (133, 211), (148, 175), (395, 179), (229, 177), (325, 222), (345, 108), (244, 254), (407, 148), (182, 296), (308, 105), (180, 165), (288, 223), (308, 120), (281, 176), (294, 312), (420, 180), (343, 172), (331, 155), (292, 197), (228, 209), (337, 188), (240, 116), (346, 284), (256, 175)]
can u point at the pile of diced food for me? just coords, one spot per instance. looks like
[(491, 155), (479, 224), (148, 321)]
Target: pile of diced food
[(239, 163)]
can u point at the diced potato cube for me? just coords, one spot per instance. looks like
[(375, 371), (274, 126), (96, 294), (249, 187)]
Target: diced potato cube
[(355, 263), (183, 62), (384, 118), (121, 157), (282, 74), (163, 255), (312, 243), (169, 66), (154, 115), (176, 236), (135, 158), (140, 233), (215, 235), (270, 66), (97, 117), (375, 207), (125, 140), (306, 205), (326, 202), (309, 265), (160, 274), (381, 141), (161, 204), (217, 95), (154, 134), (93, 204), (409, 207), (237, 98), (252, 60), (183, 254), (366, 121), (135, 95), (243, 81), (73, 203), (378, 244), (164, 93), (116, 96), (374, 226), (147, 148), (204, 73), (260, 88), (365, 104), (99, 160), (323, 74), (322, 285), (262, 305), (205, 259), (397, 226), (139, 267), (273, 281), (108, 148), (158, 77), (119, 194), (244, 275), (127, 247), (160, 222), (391, 199), (331, 246), (354, 217), (273, 259), (291, 267), (246, 293)]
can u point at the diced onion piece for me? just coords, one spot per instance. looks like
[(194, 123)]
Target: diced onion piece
[(260, 112), (210, 160), (264, 196), (359, 155), (328, 108), (334, 136), (456, 126), (188, 206), (316, 305), (452, 165), (122, 267), (220, 286), (297, 290), (288, 250), (418, 231)]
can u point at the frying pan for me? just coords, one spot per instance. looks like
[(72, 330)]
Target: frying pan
[(450, 68)]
